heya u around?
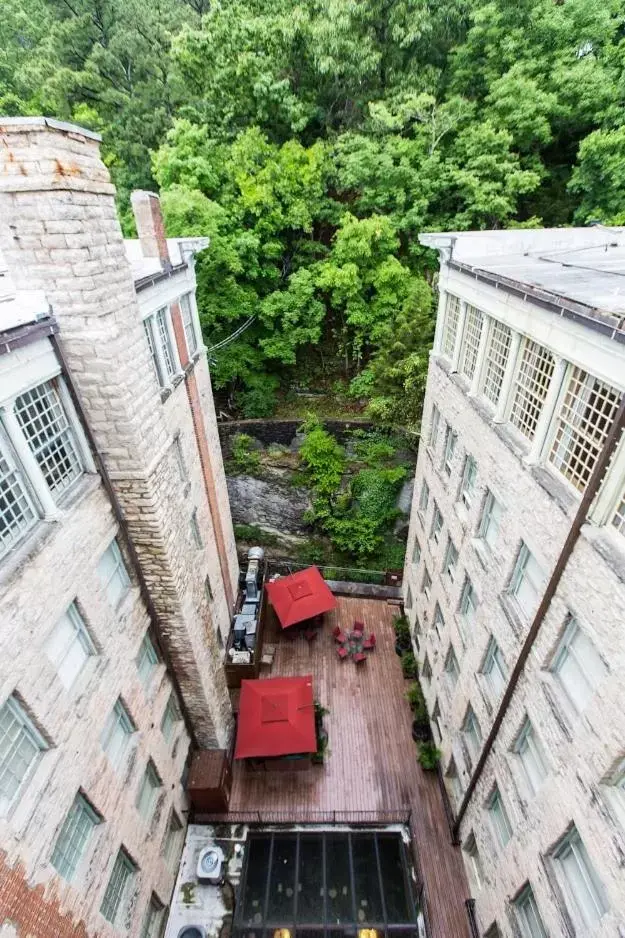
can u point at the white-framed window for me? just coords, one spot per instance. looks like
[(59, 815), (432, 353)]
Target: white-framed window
[(471, 342), (582, 424), (74, 837), (577, 665), (426, 670), (526, 582), (153, 921), (195, 530), (17, 511), (180, 461), (472, 733), (117, 891), (426, 583), (468, 603), (147, 660), (474, 861), (439, 620), (113, 574), (408, 599), (497, 352), (186, 309), (450, 325), (618, 521), (499, 818), (450, 561), (424, 498), (530, 387), (453, 778), (531, 756), (50, 437), (467, 486), (158, 335), (21, 745), (614, 789), (494, 668), (434, 425), (491, 521), (436, 723), (416, 552), (582, 889), (117, 733), (452, 668), (69, 646), (437, 524), (174, 837), (528, 916), (451, 439), (171, 716), (147, 794)]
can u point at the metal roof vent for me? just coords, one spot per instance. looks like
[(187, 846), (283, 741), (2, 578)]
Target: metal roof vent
[(192, 931), (210, 865)]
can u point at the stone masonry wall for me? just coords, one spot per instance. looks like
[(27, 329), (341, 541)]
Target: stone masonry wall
[(580, 750), (61, 233)]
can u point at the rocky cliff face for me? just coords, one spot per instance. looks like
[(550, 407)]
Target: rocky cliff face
[(272, 504)]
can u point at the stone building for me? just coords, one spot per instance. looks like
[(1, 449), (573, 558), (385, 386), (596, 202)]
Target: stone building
[(117, 557), (514, 579)]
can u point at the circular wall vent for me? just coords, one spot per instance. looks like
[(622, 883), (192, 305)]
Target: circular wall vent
[(192, 931), (210, 862)]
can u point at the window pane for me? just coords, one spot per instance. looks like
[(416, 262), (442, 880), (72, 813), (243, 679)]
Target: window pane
[(68, 646), (280, 907), (450, 328), (189, 326), (393, 880), (17, 515), (471, 341), (339, 907), (531, 387), (310, 896), (165, 344), (20, 745), (528, 916), (173, 840), (581, 886), (366, 882), (256, 881), (147, 660), (115, 895), (113, 574), (47, 430), (74, 837), (582, 425), (497, 353)]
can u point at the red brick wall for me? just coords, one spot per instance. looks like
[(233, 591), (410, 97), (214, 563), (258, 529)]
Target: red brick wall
[(30, 911)]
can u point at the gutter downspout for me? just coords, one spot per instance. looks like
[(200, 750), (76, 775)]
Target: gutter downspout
[(118, 512), (572, 537)]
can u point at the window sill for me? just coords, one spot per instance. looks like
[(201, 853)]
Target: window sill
[(609, 544), (512, 613)]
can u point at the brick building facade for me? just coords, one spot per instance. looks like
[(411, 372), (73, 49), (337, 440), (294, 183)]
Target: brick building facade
[(118, 566), (525, 697)]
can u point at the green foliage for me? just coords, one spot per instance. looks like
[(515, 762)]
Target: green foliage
[(414, 696), (251, 534), (408, 665), (429, 756), (244, 457), (375, 492), (323, 458), (402, 631)]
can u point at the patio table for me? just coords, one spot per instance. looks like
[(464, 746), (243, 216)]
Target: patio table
[(355, 642)]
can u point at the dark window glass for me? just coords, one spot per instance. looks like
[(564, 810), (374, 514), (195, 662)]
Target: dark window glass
[(393, 880), (282, 887), (339, 908), (366, 882), (310, 895), (257, 868)]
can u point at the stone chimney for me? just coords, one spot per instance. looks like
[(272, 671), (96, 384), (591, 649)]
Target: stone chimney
[(146, 207)]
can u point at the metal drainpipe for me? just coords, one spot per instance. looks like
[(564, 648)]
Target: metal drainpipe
[(155, 629), (591, 490)]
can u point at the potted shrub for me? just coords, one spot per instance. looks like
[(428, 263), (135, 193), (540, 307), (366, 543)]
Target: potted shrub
[(322, 734), (421, 731), (408, 665), (402, 635), (429, 756)]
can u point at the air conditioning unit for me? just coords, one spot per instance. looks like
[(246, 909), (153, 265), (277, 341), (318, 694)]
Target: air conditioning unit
[(210, 865)]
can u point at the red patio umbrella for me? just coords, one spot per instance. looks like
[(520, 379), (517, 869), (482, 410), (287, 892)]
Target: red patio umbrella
[(300, 596), (276, 717)]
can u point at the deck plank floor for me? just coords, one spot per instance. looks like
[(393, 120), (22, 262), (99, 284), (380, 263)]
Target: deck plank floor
[(371, 766)]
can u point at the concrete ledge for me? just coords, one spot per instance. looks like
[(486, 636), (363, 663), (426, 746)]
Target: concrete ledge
[(365, 590), (31, 123)]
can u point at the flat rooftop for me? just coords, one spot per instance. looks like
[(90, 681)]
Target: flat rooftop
[(371, 773), (582, 269)]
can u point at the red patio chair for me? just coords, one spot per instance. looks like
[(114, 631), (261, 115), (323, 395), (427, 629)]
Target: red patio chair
[(359, 626), (359, 657), (369, 643), (342, 652), (339, 636)]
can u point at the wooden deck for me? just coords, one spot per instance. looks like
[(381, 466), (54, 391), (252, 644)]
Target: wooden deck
[(371, 766)]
